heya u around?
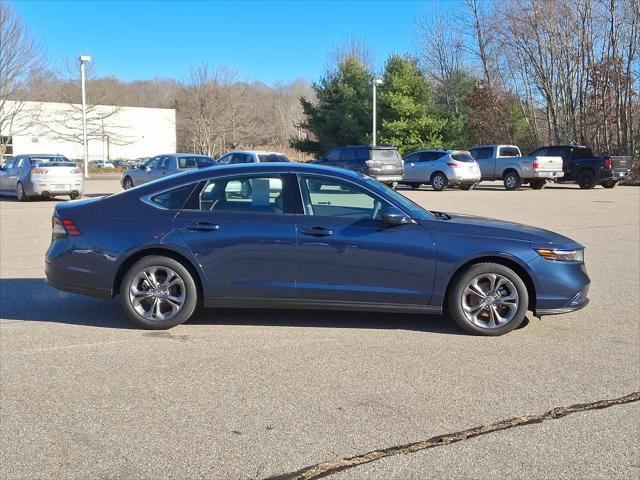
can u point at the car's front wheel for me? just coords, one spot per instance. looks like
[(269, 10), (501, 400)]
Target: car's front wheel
[(158, 293), (21, 195), (488, 299), (512, 181), (538, 184), (128, 183)]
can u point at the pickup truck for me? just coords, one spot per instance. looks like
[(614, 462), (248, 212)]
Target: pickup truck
[(163, 166), (580, 165), (506, 163)]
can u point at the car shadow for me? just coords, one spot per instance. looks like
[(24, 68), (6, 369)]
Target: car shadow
[(33, 300)]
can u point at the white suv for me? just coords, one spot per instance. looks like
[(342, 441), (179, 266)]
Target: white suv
[(441, 168)]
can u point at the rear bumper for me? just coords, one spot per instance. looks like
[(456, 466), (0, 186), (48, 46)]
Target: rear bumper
[(463, 178), (67, 280), (54, 187), (387, 178), (548, 174)]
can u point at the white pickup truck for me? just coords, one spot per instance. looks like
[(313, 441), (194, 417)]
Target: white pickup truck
[(506, 163)]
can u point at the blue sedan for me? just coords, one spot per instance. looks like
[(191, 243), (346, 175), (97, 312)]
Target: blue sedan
[(305, 236)]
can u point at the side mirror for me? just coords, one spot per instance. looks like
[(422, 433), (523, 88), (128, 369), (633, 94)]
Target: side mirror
[(394, 217), (148, 169)]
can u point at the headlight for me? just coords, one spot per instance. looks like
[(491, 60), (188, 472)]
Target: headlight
[(562, 255)]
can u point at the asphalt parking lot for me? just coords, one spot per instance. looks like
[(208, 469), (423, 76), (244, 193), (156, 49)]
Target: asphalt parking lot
[(253, 394)]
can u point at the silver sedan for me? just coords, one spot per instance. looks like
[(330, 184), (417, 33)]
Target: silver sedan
[(46, 175)]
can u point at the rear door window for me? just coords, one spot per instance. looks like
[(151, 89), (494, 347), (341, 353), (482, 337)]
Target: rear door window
[(272, 157), (187, 162), (581, 152), (333, 155), (509, 152), (251, 194)]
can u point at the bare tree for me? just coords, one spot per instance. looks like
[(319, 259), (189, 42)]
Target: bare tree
[(19, 54), (352, 47)]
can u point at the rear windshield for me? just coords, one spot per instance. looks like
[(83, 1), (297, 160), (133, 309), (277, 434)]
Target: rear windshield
[(386, 154), (509, 152), (273, 157), (582, 152), (38, 160), (462, 157)]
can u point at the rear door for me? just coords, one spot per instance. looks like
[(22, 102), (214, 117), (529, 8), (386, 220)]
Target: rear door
[(410, 167), (346, 253), (242, 231), (13, 173), (4, 174)]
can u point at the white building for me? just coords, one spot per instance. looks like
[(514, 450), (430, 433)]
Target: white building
[(112, 132)]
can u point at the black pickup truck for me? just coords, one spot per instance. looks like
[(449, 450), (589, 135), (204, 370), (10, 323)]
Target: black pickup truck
[(580, 165)]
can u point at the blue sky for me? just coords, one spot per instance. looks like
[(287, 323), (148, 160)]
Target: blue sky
[(263, 40)]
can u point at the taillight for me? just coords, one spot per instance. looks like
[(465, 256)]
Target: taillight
[(608, 163), (39, 171), (64, 226), (453, 164), (536, 164)]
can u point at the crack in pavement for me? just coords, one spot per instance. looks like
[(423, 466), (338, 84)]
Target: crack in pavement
[(323, 469)]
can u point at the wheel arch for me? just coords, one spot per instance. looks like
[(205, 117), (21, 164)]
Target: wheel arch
[(165, 252), (438, 172), (507, 262), (509, 170)]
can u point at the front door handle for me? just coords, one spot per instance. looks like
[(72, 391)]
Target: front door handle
[(317, 231), (202, 226)]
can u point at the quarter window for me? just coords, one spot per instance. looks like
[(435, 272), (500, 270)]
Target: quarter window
[(173, 199), (482, 153), (326, 197), (244, 195)]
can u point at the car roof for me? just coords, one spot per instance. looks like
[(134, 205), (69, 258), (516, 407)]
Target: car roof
[(370, 147), (495, 145), (239, 168), (257, 152)]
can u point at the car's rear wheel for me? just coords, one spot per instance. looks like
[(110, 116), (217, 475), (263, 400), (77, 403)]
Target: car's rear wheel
[(21, 195), (74, 195), (609, 184), (439, 181), (158, 293), (538, 184), (586, 180), (512, 181), (415, 186), (488, 299), (467, 186), (128, 183)]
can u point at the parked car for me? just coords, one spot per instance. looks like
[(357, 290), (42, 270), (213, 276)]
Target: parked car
[(441, 168), (252, 156), (353, 244), (506, 163), (102, 164), (382, 163), (46, 175), (622, 167), (163, 166), (580, 165)]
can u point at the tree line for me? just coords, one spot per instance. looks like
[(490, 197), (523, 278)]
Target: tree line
[(527, 72)]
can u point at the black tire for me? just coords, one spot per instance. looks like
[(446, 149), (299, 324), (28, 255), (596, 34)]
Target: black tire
[(538, 184), (456, 295), (439, 181), (586, 180), (467, 186), (74, 195), (415, 186), (127, 183), (21, 195), (512, 180), (190, 292), (609, 184)]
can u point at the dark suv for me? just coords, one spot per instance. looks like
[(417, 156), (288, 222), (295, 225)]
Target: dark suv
[(382, 163)]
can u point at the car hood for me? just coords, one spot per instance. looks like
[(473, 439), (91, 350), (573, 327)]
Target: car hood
[(471, 225)]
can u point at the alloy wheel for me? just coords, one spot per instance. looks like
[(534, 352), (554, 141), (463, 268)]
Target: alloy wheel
[(490, 300), (157, 293)]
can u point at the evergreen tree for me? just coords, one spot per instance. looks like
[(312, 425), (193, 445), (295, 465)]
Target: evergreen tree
[(342, 114), (406, 118)]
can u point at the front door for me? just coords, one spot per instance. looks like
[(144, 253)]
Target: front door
[(241, 232), (346, 253), (4, 174)]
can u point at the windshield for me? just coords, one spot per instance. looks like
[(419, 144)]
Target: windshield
[(40, 159), (384, 154), (273, 157), (462, 157), (416, 210)]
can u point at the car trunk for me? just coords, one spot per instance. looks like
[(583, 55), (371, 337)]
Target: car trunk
[(62, 174), (385, 162)]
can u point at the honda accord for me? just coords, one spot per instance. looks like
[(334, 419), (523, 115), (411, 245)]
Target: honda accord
[(284, 235)]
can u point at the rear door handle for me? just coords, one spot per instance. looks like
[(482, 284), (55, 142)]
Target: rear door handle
[(202, 226), (317, 231)]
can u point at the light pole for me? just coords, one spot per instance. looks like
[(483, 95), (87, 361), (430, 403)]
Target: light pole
[(84, 59), (376, 82)]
